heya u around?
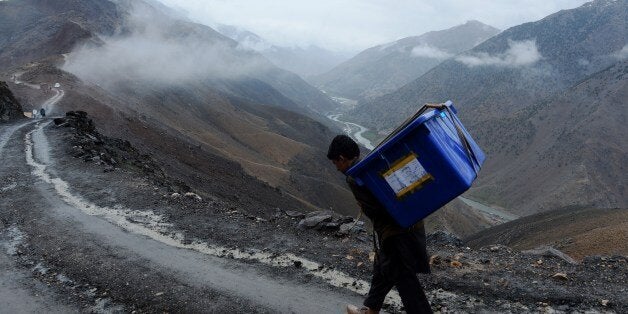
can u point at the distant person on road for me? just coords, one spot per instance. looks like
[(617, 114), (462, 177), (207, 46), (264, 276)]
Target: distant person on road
[(35, 113), (42, 112), (400, 253)]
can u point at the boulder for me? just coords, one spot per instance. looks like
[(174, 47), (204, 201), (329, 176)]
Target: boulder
[(345, 219), (332, 226), (313, 219), (350, 227), (560, 276), (294, 214)]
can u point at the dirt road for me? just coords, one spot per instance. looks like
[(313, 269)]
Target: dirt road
[(122, 251)]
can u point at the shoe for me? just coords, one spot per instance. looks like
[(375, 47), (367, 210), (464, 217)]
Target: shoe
[(352, 309)]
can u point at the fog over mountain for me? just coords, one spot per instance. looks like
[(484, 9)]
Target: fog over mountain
[(308, 61), (384, 68), (518, 54), (355, 25), (158, 48), (151, 55)]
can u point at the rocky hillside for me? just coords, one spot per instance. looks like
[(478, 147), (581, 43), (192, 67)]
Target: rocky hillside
[(216, 143), (384, 68), (10, 108), (578, 232), (36, 29), (564, 147), (458, 219), (219, 130), (504, 81)]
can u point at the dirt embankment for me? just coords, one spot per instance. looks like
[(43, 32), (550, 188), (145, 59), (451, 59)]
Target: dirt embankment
[(579, 232)]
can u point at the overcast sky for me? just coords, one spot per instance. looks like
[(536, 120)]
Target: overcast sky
[(353, 25)]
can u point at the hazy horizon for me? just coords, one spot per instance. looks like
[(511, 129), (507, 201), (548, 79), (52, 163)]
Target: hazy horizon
[(352, 26)]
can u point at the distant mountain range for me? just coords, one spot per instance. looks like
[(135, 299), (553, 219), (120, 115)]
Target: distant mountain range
[(546, 100), (384, 68), (306, 62)]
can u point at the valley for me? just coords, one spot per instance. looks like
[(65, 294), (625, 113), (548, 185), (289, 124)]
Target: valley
[(354, 130)]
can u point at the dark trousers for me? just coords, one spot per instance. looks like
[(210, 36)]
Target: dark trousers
[(391, 269)]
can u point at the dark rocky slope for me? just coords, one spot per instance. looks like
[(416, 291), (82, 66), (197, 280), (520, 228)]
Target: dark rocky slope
[(568, 151), (216, 143), (579, 232), (10, 108)]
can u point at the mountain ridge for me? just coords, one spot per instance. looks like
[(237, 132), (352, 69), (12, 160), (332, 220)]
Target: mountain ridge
[(384, 68)]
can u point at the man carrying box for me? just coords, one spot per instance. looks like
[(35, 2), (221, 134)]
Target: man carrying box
[(399, 253)]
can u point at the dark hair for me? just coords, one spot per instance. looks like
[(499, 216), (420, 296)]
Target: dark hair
[(343, 145)]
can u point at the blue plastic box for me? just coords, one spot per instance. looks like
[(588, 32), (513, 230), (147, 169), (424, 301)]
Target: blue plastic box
[(422, 167)]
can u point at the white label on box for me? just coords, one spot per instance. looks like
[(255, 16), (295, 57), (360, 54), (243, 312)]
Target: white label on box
[(406, 175)]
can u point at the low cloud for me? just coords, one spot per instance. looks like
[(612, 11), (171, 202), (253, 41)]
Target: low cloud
[(427, 51), (152, 53), (519, 53), (622, 54)]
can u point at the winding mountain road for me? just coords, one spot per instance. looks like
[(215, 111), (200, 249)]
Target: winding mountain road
[(49, 104), (128, 252)]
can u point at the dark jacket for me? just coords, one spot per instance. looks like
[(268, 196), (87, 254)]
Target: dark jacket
[(395, 244)]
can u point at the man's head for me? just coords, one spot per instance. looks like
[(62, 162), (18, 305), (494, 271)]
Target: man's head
[(343, 151)]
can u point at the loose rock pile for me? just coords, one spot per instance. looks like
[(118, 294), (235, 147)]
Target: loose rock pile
[(330, 221), (91, 146)]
